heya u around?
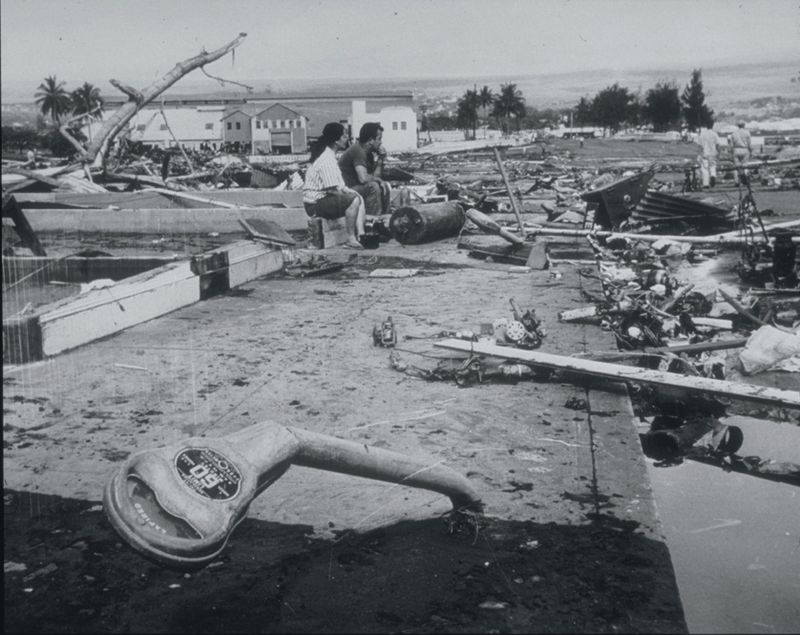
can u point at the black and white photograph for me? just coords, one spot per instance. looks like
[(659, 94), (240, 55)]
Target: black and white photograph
[(419, 316)]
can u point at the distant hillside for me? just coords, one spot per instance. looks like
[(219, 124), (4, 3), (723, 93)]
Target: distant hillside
[(750, 89)]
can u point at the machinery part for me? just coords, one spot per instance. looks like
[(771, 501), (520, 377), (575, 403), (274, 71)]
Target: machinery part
[(426, 222), (784, 260), (179, 505), (384, 334), (515, 331)]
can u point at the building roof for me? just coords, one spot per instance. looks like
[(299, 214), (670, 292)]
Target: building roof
[(233, 112), (271, 106)]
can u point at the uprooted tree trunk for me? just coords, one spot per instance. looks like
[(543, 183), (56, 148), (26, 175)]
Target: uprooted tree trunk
[(138, 99)]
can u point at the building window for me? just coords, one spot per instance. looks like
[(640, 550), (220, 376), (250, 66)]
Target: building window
[(229, 125), (163, 126), (209, 126), (140, 127), (258, 123), (394, 125), (238, 125), (403, 125)]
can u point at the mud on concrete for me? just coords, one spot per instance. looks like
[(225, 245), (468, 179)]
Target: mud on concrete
[(569, 542)]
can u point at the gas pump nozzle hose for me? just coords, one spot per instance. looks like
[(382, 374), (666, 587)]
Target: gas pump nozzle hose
[(179, 504)]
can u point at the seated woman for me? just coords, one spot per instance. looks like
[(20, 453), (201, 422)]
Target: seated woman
[(324, 193)]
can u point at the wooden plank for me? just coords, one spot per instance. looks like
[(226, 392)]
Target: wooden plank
[(235, 198), (731, 390), (154, 198), (700, 347), (248, 260), (262, 229), (12, 210), (728, 238), (162, 221), (512, 198), (327, 233), (126, 200)]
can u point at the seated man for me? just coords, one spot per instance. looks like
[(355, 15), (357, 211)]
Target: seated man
[(361, 166)]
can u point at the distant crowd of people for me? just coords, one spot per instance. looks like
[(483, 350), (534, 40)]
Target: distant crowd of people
[(739, 144)]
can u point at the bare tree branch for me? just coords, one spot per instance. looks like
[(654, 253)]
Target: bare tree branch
[(132, 93), (116, 122)]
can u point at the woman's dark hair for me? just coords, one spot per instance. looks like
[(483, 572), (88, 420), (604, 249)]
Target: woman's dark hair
[(331, 133)]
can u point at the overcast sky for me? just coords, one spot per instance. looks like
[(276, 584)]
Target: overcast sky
[(140, 40)]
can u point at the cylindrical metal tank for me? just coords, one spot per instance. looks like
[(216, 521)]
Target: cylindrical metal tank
[(427, 222)]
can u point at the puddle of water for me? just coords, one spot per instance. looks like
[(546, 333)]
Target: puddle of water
[(735, 538)]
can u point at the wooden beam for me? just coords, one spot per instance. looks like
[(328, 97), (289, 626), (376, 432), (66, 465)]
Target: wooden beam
[(728, 238), (700, 347), (33, 175), (207, 202), (152, 198), (12, 210), (718, 387), (487, 224), (740, 309), (177, 221), (512, 198)]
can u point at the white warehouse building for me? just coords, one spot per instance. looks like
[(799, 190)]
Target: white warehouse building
[(399, 125), (204, 119), (192, 125)]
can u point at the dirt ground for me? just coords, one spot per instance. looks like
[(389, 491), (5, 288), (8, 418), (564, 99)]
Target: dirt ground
[(570, 539), (569, 542)]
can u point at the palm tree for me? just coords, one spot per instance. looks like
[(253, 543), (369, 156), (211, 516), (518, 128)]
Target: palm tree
[(485, 99), (467, 114), (52, 99), (509, 103), (86, 100)]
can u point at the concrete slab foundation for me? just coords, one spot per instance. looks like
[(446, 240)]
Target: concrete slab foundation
[(74, 321)]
